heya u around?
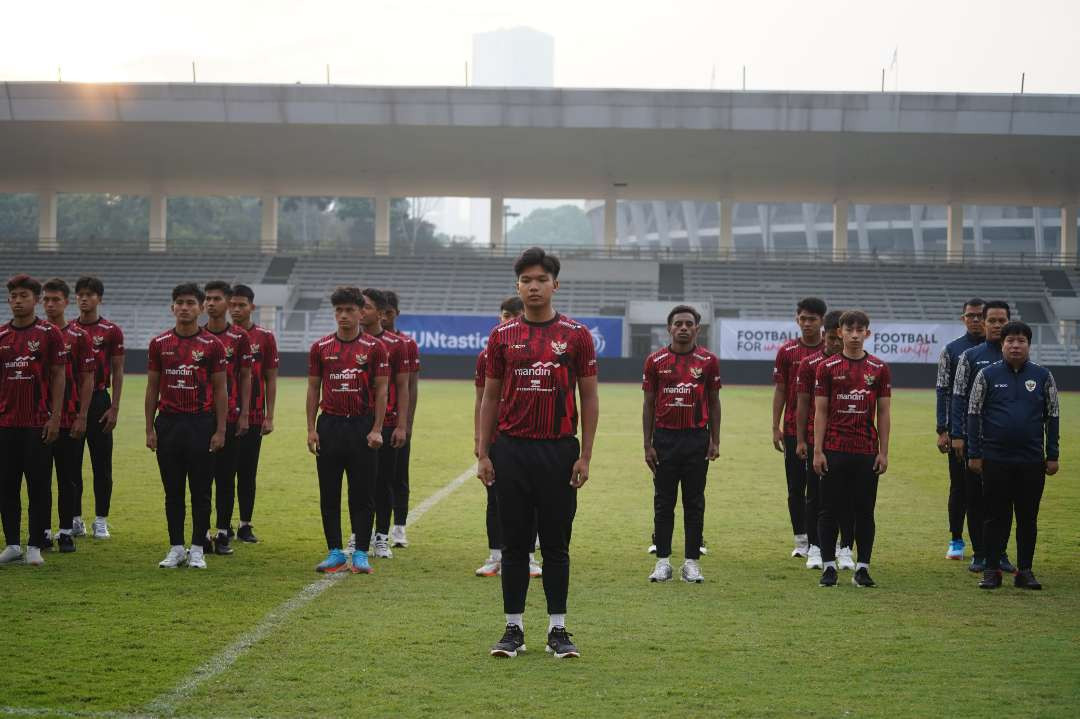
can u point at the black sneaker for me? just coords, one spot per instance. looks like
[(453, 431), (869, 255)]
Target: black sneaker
[(66, 543), (230, 532), (560, 645), (991, 579), (512, 642), (978, 564), (1005, 565), (862, 578), (1024, 579), (244, 534), (828, 577), (47, 544), (221, 545)]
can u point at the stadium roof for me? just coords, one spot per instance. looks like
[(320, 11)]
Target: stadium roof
[(206, 139)]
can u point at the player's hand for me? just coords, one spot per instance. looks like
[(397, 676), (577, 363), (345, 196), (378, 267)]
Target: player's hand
[(151, 441), (108, 419), (397, 439), (485, 471), (651, 459), (881, 463), (713, 451), (267, 425), (958, 448), (821, 465), (975, 465), (217, 441), (943, 442), (374, 439), (313, 442), (1051, 466), (801, 449), (242, 426), (778, 439), (51, 430), (579, 475), (78, 427)]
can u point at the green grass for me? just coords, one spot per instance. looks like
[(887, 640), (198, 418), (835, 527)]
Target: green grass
[(104, 630)]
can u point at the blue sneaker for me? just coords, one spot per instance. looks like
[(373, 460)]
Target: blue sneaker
[(360, 563), (956, 550), (978, 564), (335, 561)]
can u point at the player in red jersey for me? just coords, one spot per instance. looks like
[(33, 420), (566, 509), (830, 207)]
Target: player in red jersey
[(534, 365), (395, 424), (804, 425), (108, 343), (808, 314), (238, 382), (347, 380), (67, 451), (850, 452), (680, 421), (32, 368), (401, 468), (187, 390), (264, 372)]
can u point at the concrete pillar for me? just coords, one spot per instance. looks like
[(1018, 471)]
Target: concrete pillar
[(610, 223), (159, 221), (976, 223), (954, 235), (809, 218), (47, 241), (862, 214), (1037, 228), (1068, 235), (660, 218), (690, 222), (764, 217), (269, 224), (726, 210), (498, 221), (382, 225), (839, 229)]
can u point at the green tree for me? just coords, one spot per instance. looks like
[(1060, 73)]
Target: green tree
[(547, 227)]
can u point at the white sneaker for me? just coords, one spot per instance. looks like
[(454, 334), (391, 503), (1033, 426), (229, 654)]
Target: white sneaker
[(490, 568), (691, 572), (397, 536), (382, 547), (11, 553), (351, 546), (802, 546), (78, 527), (33, 556), (652, 549), (534, 569), (844, 560), (176, 557), (101, 528), (661, 572), (813, 558), (196, 558)]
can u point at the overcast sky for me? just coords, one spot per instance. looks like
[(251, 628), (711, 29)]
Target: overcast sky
[(944, 45)]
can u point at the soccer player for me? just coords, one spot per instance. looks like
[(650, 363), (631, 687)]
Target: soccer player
[(809, 314), (401, 468), (264, 372), (534, 363), (510, 308), (680, 422), (238, 383), (108, 342), (995, 316), (347, 381), (186, 388), (946, 376), (804, 426), (32, 368), (850, 452), (67, 450), (394, 427), (1013, 422)]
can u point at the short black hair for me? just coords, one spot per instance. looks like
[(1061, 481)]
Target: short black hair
[(813, 305), (683, 309), (347, 296), (24, 282), (188, 288), (1016, 327), (513, 305), (244, 291), (57, 285), (975, 302), (220, 286), (997, 305), (854, 318), (392, 299), (93, 284), (377, 297), (536, 256), (832, 320)]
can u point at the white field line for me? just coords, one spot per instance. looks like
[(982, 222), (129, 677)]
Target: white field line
[(165, 704)]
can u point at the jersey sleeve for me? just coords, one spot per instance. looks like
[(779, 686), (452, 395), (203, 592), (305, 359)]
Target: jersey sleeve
[(585, 361), (648, 376), (380, 360), (57, 354), (974, 416), (270, 353), (713, 382), (884, 389), (153, 356), (218, 362), (944, 389), (315, 368), (1053, 418), (243, 347), (85, 356), (958, 408), (478, 378), (779, 373), (804, 378), (495, 364), (822, 381), (116, 341), (414, 355)]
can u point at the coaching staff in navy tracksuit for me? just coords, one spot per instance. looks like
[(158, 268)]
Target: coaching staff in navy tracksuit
[(1012, 410)]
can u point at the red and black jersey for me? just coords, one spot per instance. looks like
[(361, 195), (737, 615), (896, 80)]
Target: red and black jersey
[(264, 356), (853, 388), (539, 365), (480, 377), (788, 357), (80, 360), (108, 342), (237, 346), (348, 371), (397, 357), (804, 384), (27, 356), (412, 350), (682, 383), (187, 365)]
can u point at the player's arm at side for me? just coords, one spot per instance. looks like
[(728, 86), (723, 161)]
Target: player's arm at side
[(153, 383), (884, 427), (476, 421), (714, 424), (245, 399), (116, 365), (648, 424), (85, 378), (374, 438), (779, 399), (802, 415), (221, 408), (489, 415), (402, 431), (590, 417), (1052, 413), (314, 391), (414, 394), (821, 416), (270, 399)]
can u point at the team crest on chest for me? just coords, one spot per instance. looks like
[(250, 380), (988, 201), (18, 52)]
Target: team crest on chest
[(33, 345), (1029, 385), (229, 352), (558, 347), (197, 355), (98, 340), (361, 360), (870, 379), (254, 349), (695, 372)]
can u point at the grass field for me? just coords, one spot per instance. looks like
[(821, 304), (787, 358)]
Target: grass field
[(104, 632)]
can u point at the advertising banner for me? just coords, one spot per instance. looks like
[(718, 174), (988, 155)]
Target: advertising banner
[(468, 334)]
